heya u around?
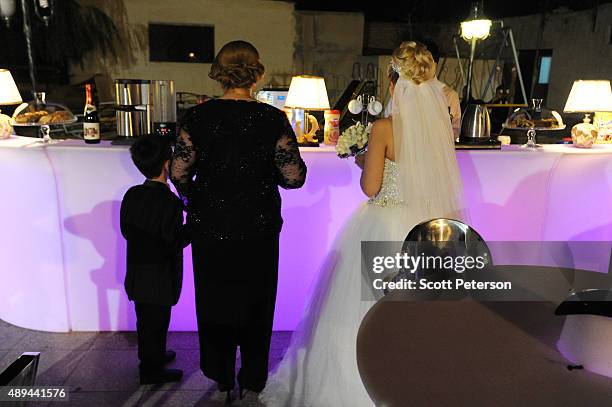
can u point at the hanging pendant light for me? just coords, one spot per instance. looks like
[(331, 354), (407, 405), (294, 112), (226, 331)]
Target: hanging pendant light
[(476, 26)]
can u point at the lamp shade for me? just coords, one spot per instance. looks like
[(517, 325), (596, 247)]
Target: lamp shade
[(307, 92), (589, 96), (478, 29), (9, 94), (476, 26)]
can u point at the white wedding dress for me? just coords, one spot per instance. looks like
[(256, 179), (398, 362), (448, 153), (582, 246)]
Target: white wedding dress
[(319, 368)]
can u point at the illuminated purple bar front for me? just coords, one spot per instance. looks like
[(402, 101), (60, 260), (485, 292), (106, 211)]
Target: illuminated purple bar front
[(62, 259)]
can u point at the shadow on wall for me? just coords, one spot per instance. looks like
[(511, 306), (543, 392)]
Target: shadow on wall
[(308, 216), (519, 218), (101, 228)]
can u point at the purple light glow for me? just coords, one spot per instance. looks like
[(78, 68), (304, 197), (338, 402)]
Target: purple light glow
[(63, 256)]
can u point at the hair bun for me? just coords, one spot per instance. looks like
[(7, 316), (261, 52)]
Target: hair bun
[(413, 61), (239, 75), (237, 65)]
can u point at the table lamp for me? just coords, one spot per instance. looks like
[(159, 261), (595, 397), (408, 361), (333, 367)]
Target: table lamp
[(307, 93), (9, 95), (587, 97)]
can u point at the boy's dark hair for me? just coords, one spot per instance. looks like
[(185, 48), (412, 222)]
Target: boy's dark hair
[(149, 153)]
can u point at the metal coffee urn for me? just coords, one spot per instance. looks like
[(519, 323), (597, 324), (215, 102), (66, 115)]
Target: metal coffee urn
[(163, 98), (133, 107), (476, 128)]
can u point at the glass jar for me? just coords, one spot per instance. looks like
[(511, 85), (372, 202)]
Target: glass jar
[(331, 132)]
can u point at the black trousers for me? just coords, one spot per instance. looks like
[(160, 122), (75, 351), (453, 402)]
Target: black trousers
[(152, 321), (235, 286)]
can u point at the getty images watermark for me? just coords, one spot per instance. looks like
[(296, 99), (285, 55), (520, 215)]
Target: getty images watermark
[(492, 271), (403, 263)]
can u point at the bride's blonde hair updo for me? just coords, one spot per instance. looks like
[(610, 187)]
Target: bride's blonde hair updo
[(413, 61)]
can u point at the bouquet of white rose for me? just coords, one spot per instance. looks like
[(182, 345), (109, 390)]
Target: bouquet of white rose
[(353, 141)]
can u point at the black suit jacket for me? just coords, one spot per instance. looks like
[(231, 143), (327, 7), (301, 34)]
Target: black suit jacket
[(152, 224)]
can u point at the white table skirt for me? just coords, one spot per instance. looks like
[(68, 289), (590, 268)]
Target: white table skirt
[(63, 257)]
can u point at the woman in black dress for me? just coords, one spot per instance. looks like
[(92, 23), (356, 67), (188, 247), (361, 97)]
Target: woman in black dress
[(231, 155)]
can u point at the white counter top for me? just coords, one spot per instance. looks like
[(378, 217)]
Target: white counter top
[(17, 142)]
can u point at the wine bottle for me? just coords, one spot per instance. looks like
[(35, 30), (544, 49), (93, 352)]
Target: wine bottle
[(91, 120)]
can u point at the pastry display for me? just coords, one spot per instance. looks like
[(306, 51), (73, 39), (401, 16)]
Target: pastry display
[(524, 120), (56, 117), (528, 121), (534, 117), (39, 112), (30, 117), (44, 117)]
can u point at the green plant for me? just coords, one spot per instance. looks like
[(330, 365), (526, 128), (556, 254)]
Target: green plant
[(75, 30), (78, 29), (79, 32)]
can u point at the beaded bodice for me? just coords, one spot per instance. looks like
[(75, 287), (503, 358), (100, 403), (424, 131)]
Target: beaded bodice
[(388, 194)]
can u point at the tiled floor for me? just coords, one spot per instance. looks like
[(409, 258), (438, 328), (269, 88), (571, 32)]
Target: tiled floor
[(101, 369), (499, 354)]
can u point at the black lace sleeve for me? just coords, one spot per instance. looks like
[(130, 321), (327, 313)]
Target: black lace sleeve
[(291, 167), (183, 159)]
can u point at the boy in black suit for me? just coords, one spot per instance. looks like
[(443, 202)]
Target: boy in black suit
[(152, 224)]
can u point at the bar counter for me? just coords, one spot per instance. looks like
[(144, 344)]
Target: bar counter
[(63, 256)]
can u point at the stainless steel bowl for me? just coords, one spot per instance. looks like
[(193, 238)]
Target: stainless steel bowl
[(442, 238)]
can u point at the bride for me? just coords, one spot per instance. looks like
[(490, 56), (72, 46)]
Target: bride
[(411, 175)]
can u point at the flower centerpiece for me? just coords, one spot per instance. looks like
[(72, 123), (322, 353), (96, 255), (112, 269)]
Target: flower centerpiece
[(353, 141)]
